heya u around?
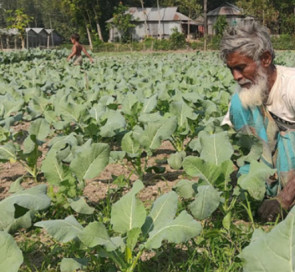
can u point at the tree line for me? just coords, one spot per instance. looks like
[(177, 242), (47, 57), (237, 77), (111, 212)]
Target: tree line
[(88, 17)]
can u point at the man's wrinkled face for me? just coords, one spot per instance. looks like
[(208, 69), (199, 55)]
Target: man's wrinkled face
[(251, 78), (243, 69)]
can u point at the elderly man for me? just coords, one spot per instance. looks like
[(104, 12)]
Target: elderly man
[(264, 105)]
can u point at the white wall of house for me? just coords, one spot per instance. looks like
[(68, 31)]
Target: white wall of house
[(154, 29)]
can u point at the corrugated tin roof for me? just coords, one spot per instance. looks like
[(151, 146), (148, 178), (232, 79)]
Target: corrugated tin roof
[(181, 17), (166, 14), (200, 20), (153, 14), (226, 9), (9, 31), (38, 29)]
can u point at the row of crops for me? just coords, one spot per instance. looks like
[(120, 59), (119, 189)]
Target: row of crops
[(120, 110)]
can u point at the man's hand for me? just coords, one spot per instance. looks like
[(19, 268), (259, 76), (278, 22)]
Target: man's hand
[(270, 209)]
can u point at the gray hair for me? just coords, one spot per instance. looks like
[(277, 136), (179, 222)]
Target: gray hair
[(248, 38)]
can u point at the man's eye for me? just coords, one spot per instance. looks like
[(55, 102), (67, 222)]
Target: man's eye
[(240, 68)]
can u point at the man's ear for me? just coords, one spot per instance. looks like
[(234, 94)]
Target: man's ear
[(266, 59)]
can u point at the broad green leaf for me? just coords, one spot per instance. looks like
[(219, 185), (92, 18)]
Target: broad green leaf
[(226, 221), (129, 212), (254, 181), (97, 111), (7, 152), (80, 206), (95, 234), (130, 145), (162, 213), (129, 101), (37, 106), (183, 113), (72, 264), (175, 160), (150, 117), (10, 105), (116, 156), (33, 199), (163, 133), (132, 238), (10, 121), (186, 188), (149, 104), (4, 134), (206, 202), (63, 146), (115, 122), (179, 230), (11, 256), (106, 100), (273, 251), (155, 133), (210, 107), (195, 144), (90, 161), (216, 148), (68, 110), (16, 185), (208, 172), (52, 169), (63, 230), (40, 128), (30, 144), (193, 97), (60, 142)]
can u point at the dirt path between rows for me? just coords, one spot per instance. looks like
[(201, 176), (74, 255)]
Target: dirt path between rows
[(97, 188)]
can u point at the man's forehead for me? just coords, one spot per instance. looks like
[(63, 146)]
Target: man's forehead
[(236, 57)]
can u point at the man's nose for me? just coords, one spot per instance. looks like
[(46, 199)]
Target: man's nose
[(237, 75)]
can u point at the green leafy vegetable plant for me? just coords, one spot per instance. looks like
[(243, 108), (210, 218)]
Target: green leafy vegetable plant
[(134, 230)]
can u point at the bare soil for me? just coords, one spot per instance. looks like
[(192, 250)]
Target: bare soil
[(96, 189)]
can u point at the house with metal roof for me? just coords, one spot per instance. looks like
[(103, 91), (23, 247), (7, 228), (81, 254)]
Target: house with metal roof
[(37, 37), (154, 22), (34, 37), (232, 13), (53, 37), (9, 38), (42, 37)]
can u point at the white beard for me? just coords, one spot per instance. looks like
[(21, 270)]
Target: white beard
[(257, 93)]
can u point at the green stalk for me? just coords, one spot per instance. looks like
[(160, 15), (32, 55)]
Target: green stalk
[(249, 211), (136, 163), (135, 261), (32, 172)]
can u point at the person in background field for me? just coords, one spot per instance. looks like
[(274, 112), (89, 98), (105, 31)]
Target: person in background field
[(76, 51), (263, 106)]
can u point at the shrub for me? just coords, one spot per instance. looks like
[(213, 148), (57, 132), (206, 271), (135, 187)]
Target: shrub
[(283, 42), (177, 40)]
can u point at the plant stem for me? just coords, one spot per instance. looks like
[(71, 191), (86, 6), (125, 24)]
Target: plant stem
[(249, 211), (134, 263)]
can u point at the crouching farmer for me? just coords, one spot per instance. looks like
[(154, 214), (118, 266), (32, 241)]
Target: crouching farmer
[(264, 105)]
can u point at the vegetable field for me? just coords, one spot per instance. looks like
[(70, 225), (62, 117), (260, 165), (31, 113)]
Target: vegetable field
[(123, 165)]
